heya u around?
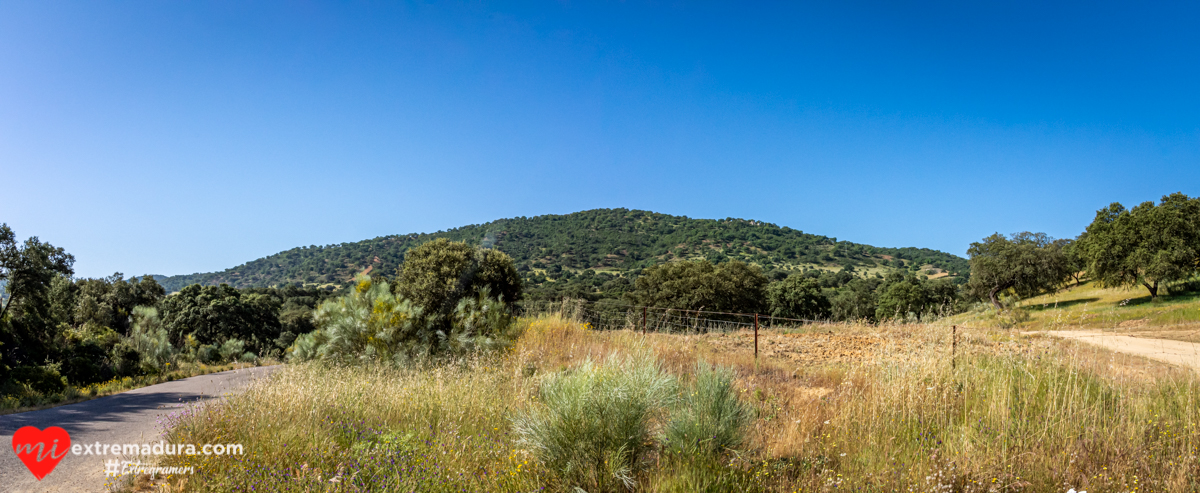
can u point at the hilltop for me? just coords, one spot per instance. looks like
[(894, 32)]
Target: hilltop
[(610, 242)]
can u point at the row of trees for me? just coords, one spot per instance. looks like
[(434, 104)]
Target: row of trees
[(1151, 245), (737, 287), (55, 327), (56, 330)]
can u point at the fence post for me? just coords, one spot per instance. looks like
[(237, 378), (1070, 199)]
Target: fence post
[(643, 320), (756, 338), (953, 345)]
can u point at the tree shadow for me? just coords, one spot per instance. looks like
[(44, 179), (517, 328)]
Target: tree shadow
[(114, 408), (1164, 298), (1060, 304)]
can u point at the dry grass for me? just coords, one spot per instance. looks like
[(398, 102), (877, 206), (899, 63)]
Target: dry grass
[(1011, 413), (1089, 306)]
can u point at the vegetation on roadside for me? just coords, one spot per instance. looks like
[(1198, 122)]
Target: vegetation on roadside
[(1008, 413), (442, 302), (61, 336), (1152, 246), (1089, 305)]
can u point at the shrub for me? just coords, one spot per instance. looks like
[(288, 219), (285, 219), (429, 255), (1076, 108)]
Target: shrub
[(231, 349), (595, 422), (150, 338), (480, 323), (208, 354), (248, 357), (709, 419), (368, 323), (306, 346), (43, 379), (126, 360)]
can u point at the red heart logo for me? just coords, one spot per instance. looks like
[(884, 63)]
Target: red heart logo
[(39, 449)]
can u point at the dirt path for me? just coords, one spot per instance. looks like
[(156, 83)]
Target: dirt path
[(1168, 351), (128, 417)]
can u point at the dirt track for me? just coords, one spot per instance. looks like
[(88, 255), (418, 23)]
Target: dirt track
[(1168, 351)]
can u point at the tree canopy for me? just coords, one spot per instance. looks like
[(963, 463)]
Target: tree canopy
[(699, 285), (1150, 245), (1026, 263), (29, 271), (214, 314), (798, 296), (437, 275)]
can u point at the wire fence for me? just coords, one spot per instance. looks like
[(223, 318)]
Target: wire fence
[(615, 316)]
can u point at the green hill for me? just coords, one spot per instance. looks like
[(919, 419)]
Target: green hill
[(604, 244)]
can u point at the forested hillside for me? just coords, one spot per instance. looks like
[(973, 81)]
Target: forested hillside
[(605, 241)]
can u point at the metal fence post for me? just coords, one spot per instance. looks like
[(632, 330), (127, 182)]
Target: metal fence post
[(643, 320), (953, 345), (756, 337)]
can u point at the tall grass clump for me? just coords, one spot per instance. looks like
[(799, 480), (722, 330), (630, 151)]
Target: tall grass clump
[(594, 424), (150, 338), (709, 418), (368, 324)]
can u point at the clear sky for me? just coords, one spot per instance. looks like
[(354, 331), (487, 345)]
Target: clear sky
[(180, 137)]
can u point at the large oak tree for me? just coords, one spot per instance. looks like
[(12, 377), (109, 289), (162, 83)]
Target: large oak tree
[(1150, 245), (1026, 263)]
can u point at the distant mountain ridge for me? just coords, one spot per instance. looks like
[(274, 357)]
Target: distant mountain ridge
[(606, 240)]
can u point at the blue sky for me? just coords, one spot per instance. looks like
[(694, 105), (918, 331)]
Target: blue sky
[(180, 137)]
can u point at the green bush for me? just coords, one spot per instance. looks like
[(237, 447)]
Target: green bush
[(595, 423), (126, 360), (150, 338), (231, 349), (368, 323), (480, 323), (709, 419), (437, 275), (42, 379), (208, 354)]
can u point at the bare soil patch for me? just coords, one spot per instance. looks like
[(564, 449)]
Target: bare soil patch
[(804, 348)]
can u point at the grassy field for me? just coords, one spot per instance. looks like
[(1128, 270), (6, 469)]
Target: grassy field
[(863, 408), (1173, 316)]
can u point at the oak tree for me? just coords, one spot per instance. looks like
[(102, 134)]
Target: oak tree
[(1150, 245)]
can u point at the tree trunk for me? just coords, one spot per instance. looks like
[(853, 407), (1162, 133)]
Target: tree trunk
[(4, 309), (1153, 289), (992, 294)]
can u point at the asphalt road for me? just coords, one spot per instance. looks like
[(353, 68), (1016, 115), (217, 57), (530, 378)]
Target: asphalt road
[(128, 417)]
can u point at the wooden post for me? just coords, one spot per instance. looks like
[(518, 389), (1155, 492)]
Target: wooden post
[(643, 320), (953, 345), (755, 337)]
